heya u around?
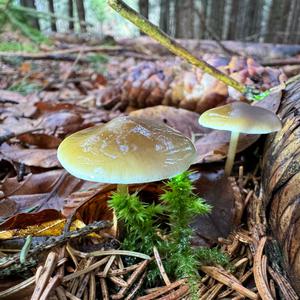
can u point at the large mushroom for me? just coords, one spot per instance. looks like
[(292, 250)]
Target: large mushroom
[(126, 150), (239, 117)]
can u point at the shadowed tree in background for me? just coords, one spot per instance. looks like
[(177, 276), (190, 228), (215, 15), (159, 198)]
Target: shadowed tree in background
[(144, 10), (164, 17), (71, 15), (31, 4), (81, 14), (184, 19), (53, 20)]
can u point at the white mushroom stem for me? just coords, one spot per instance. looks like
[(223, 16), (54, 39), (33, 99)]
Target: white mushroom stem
[(231, 152)]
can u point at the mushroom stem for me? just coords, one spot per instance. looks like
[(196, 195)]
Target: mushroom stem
[(231, 152), (122, 188)]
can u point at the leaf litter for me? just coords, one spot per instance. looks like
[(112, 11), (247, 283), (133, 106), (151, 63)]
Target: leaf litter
[(36, 192)]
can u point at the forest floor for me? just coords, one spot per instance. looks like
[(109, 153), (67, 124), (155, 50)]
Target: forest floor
[(72, 252)]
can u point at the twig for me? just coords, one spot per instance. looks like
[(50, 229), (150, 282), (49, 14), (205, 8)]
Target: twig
[(86, 270), (285, 287), (92, 287), (258, 272), (49, 267), (165, 40), (161, 267), (131, 280), (229, 280), (163, 290), (104, 289), (53, 283)]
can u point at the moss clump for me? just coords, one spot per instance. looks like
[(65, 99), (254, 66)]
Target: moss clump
[(145, 229)]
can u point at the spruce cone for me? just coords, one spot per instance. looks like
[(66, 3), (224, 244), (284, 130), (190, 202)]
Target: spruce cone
[(150, 84)]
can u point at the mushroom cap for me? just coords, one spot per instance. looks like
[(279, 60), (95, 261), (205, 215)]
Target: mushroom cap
[(241, 117), (126, 150)]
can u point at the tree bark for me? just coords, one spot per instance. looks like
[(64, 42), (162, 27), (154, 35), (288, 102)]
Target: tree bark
[(81, 15), (184, 18), (281, 181), (53, 20), (164, 16), (34, 22), (70, 14), (144, 10)]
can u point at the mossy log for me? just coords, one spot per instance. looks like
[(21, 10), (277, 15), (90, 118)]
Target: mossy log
[(281, 183)]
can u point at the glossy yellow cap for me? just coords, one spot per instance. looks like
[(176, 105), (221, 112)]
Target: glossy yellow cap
[(241, 117), (126, 150)]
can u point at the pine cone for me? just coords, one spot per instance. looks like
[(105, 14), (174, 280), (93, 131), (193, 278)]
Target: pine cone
[(150, 84)]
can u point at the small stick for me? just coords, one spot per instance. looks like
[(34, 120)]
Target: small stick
[(104, 289), (283, 284), (258, 272), (108, 265), (118, 281), (92, 287), (229, 280), (71, 296), (86, 270), (213, 292), (119, 272), (163, 290), (50, 264), (82, 286), (176, 295), (161, 267), (61, 293), (53, 283), (136, 288), (131, 280)]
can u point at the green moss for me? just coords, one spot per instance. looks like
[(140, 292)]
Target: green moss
[(145, 229), (15, 47)]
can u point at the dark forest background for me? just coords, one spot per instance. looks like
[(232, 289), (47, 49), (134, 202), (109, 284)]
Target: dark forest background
[(274, 21)]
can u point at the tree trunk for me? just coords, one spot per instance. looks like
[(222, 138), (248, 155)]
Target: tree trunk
[(53, 20), (34, 22), (164, 16), (281, 181), (232, 32), (184, 18), (81, 15), (71, 14), (144, 8)]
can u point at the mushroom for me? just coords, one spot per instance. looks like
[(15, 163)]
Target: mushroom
[(126, 150), (239, 117)]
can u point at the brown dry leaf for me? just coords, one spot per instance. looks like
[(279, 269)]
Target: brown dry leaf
[(44, 158), (62, 122), (54, 227), (180, 119), (214, 146), (50, 106), (40, 140), (32, 183), (24, 220), (8, 207), (211, 184)]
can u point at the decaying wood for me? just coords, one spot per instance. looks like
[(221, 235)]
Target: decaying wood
[(281, 181)]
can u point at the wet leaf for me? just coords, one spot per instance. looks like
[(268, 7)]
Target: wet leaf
[(40, 140), (181, 119), (44, 158)]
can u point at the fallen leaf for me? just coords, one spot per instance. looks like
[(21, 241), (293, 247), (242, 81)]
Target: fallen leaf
[(214, 146), (180, 119), (44, 158)]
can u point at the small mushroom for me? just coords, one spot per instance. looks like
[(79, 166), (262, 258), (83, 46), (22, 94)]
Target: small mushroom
[(239, 117), (126, 150)]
